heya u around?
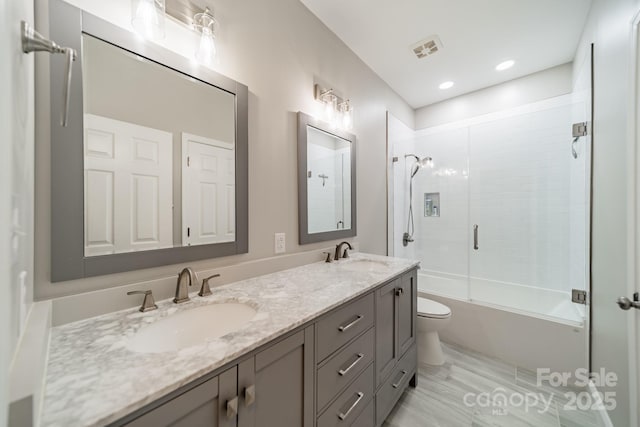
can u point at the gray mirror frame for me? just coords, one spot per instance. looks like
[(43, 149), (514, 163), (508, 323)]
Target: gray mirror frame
[(305, 120), (66, 25)]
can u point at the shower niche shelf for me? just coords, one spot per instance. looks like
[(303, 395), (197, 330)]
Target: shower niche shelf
[(431, 204)]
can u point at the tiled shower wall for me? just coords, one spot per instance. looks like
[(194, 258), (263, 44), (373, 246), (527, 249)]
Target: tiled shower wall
[(512, 174)]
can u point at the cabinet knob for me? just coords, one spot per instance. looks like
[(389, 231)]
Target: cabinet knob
[(232, 407), (399, 291), (249, 395)]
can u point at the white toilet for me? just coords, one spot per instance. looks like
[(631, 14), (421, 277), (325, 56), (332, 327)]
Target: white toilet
[(432, 317)]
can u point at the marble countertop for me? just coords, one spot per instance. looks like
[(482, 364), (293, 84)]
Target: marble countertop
[(94, 379)]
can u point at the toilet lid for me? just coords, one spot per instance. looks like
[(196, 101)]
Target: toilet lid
[(429, 308)]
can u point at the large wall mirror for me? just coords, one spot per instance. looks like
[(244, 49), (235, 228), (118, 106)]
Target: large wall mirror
[(326, 181), (152, 166)]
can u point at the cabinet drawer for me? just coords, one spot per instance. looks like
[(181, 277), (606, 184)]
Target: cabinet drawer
[(344, 366), (367, 418), (341, 326), (349, 405), (392, 388)]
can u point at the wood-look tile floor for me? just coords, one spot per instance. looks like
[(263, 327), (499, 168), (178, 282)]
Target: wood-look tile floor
[(472, 389)]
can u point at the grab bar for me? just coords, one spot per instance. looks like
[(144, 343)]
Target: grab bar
[(475, 237), (32, 41)]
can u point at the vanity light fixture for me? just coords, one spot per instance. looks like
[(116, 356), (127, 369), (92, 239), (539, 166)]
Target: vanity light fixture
[(337, 112), (505, 65), (204, 23), (446, 85), (330, 102), (147, 18), (346, 113)]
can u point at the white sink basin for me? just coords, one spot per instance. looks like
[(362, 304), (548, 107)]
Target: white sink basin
[(191, 327), (365, 265)]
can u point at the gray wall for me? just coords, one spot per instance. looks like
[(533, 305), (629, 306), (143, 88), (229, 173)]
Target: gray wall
[(609, 28), (279, 50), (544, 84), (117, 84)]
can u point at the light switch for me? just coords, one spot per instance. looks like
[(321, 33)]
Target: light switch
[(280, 243)]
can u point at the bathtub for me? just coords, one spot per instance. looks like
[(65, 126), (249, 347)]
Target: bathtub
[(529, 327)]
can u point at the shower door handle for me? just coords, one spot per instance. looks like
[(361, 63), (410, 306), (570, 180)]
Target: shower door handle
[(475, 237)]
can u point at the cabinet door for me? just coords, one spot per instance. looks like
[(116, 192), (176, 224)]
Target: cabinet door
[(276, 386), (407, 306), (386, 338), (203, 406)]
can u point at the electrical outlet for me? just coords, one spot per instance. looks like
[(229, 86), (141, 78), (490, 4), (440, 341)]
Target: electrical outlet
[(280, 243)]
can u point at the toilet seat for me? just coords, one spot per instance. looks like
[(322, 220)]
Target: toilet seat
[(432, 309)]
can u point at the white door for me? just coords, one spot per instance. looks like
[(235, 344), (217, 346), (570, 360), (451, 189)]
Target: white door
[(128, 187), (208, 191)]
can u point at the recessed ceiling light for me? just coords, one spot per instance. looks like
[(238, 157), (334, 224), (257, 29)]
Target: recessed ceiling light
[(446, 85), (505, 65)]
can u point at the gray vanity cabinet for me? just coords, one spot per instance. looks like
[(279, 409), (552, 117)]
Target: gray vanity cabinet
[(386, 329), (407, 311), (211, 404), (396, 355), (275, 386), (346, 368)]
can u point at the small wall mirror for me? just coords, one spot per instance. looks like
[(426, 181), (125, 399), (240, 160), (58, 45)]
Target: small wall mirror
[(326, 181), (152, 167)]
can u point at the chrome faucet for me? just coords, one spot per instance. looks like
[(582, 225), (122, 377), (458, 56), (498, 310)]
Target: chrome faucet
[(345, 254), (186, 278)]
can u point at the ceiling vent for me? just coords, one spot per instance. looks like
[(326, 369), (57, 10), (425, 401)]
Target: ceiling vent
[(427, 47)]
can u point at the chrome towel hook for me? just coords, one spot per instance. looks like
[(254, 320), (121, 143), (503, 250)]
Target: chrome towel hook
[(32, 41)]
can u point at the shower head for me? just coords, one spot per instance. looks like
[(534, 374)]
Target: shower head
[(419, 164)]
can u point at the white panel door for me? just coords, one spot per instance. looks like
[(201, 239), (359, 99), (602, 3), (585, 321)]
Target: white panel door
[(208, 191), (128, 187)]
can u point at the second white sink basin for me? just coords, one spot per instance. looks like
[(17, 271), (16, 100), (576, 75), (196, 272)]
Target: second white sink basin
[(191, 327), (365, 265)]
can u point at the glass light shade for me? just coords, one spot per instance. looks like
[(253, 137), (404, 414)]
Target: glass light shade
[(206, 52), (205, 23), (330, 108), (347, 116), (147, 18)]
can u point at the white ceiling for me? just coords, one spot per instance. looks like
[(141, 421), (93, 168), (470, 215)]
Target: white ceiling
[(476, 36)]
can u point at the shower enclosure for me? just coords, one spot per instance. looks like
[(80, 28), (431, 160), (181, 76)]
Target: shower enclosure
[(509, 229)]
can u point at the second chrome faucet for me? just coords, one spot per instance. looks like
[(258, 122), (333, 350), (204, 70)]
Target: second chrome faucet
[(187, 277)]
